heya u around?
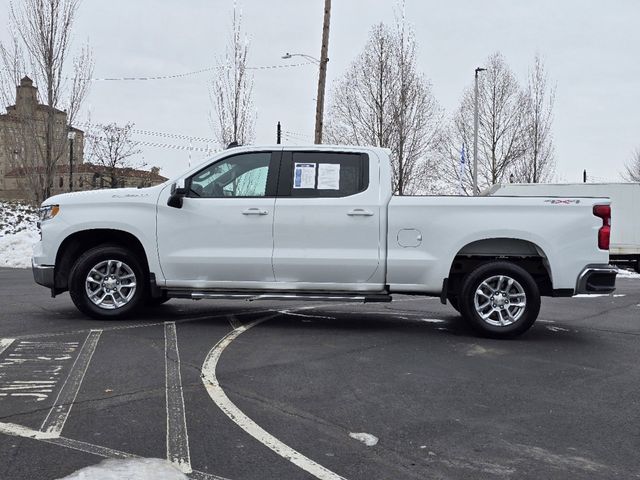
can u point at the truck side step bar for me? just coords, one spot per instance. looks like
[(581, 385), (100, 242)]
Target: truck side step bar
[(297, 296)]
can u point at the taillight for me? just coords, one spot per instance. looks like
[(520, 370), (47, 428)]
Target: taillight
[(604, 234)]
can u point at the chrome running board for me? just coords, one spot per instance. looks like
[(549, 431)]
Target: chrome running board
[(317, 297)]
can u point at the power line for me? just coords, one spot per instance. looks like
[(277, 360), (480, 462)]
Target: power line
[(195, 72), (166, 145), (152, 133), (295, 139), (296, 134)]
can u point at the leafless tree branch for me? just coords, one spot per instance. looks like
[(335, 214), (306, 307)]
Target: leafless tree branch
[(39, 45), (112, 147), (383, 100), (632, 168), (232, 91), (502, 132)]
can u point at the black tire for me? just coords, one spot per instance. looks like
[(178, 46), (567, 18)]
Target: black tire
[(101, 255), (504, 315)]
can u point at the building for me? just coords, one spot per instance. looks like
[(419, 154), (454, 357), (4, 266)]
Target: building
[(86, 176), (22, 141)]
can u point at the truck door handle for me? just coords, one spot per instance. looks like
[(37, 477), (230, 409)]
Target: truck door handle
[(254, 211), (359, 212)]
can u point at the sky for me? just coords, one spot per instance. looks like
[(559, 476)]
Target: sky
[(591, 50)]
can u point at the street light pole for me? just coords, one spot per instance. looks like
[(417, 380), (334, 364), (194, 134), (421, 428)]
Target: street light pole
[(311, 58), (322, 74), (71, 136), (475, 134)]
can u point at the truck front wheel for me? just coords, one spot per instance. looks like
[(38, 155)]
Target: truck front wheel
[(500, 299), (107, 282)]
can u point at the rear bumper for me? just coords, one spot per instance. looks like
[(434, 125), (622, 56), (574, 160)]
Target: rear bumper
[(597, 279), (43, 274)]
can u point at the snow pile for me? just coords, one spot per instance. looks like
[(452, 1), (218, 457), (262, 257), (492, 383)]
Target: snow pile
[(622, 273), (366, 438), (18, 234), (129, 469), (17, 217)]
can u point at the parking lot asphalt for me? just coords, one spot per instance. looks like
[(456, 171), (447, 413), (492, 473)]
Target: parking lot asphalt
[(264, 390)]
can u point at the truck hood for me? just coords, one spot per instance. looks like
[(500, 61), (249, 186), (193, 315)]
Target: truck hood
[(108, 195)]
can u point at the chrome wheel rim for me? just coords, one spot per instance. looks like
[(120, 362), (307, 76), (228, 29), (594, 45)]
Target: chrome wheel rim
[(110, 284), (500, 300)]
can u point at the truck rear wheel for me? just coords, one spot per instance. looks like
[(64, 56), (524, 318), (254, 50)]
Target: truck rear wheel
[(107, 282), (500, 300)]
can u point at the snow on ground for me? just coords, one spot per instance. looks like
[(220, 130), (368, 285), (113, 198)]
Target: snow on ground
[(18, 234), (366, 438), (16, 217), (622, 273), (129, 469)]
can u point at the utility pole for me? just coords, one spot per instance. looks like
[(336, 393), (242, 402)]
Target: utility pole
[(475, 134), (584, 176), (278, 134), (322, 74)]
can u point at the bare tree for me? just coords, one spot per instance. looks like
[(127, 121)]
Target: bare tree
[(632, 168), (40, 45), (538, 163), (383, 100), (232, 91), (502, 132), (112, 147)]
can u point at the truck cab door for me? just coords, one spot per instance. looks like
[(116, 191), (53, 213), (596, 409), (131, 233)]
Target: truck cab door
[(327, 229), (222, 236)]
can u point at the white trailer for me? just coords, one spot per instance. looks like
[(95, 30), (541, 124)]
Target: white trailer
[(625, 206)]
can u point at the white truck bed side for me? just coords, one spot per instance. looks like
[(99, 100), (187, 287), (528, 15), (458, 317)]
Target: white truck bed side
[(441, 226)]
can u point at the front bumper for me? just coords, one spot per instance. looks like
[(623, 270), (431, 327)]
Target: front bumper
[(43, 275), (597, 279)]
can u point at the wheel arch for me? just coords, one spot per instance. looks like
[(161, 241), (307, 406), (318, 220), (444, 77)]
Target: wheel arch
[(524, 253), (78, 242)]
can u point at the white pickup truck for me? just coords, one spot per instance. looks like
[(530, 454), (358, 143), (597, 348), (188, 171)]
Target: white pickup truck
[(319, 223)]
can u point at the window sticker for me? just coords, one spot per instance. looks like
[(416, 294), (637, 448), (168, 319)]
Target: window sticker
[(304, 175), (329, 176)]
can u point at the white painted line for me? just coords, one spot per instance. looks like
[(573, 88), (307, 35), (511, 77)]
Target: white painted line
[(289, 312), (177, 436), (20, 431), (89, 448), (432, 320), (243, 421), (4, 343), (140, 325), (25, 432), (57, 416), (30, 371), (558, 329), (596, 295)]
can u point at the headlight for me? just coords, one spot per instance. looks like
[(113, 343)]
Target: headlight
[(48, 212)]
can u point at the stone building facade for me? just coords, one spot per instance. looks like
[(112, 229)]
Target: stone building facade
[(21, 139)]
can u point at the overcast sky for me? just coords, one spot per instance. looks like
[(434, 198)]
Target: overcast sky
[(591, 50)]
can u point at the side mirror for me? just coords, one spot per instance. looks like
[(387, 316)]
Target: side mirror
[(178, 192)]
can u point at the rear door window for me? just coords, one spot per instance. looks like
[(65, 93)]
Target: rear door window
[(323, 174)]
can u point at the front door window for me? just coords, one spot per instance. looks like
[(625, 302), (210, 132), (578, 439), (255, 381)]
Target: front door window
[(242, 175)]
